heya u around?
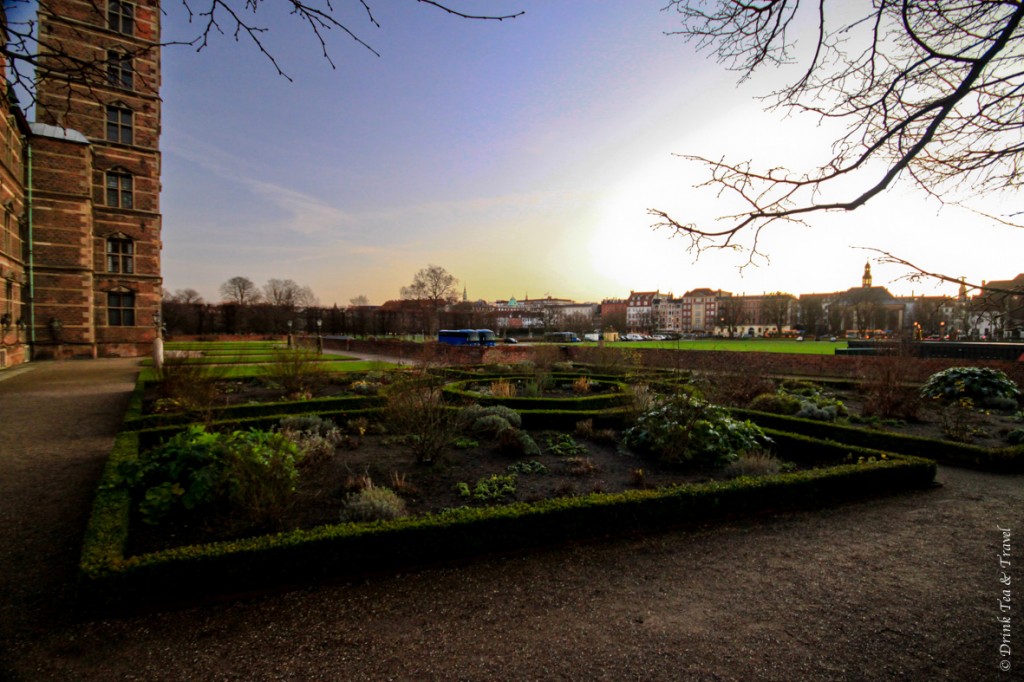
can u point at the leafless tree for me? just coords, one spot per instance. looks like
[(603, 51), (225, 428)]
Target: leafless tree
[(930, 91), (287, 293), (240, 290), (435, 287), (248, 21), (731, 313)]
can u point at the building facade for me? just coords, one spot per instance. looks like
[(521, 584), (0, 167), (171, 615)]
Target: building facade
[(82, 184)]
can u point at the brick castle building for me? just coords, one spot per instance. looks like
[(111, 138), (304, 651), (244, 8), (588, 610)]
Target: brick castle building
[(80, 188)]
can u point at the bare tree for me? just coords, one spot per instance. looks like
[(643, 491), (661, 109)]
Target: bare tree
[(359, 300), (30, 56), (240, 290), (731, 313), (777, 310), (287, 293), (186, 296), (436, 288), (930, 91)]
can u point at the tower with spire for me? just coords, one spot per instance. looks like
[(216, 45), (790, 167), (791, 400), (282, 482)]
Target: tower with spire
[(866, 279)]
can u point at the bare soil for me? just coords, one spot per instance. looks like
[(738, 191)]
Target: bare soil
[(598, 466)]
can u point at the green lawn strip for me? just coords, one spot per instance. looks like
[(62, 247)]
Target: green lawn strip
[(234, 359), (1009, 459), (149, 374), (223, 345), (740, 345), (343, 549)]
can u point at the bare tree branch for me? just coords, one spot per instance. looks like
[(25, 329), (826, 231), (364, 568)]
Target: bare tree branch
[(930, 90), (239, 19)]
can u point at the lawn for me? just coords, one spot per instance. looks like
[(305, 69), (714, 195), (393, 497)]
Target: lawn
[(742, 345)]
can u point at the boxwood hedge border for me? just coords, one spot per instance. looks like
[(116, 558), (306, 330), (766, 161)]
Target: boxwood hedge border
[(110, 578)]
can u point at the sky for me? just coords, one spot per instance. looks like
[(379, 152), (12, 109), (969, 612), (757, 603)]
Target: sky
[(520, 155)]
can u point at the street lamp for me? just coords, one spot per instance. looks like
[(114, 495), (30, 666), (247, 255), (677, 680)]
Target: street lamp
[(319, 336), (289, 334)]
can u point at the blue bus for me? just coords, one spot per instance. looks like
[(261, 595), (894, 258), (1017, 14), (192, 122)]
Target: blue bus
[(466, 337)]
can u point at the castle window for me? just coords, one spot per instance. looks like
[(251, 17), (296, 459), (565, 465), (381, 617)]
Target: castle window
[(119, 125), (119, 190), (120, 255), (121, 17), (119, 70), (121, 309)]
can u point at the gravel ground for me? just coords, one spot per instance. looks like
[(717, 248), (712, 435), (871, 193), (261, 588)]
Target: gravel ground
[(896, 588)]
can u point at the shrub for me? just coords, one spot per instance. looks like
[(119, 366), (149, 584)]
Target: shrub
[(418, 410), (517, 443), (185, 386), (373, 504), (986, 387), (251, 473), (468, 415), (1015, 437), (756, 463), (564, 445), (503, 388), (296, 372), (491, 488), (775, 403), (490, 425), (687, 430), (316, 437)]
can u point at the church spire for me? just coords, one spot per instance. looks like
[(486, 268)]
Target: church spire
[(866, 279)]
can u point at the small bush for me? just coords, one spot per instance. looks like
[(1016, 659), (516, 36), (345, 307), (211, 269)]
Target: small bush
[(776, 403), (296, 372), (984, 386), (689, 431), (247, 473), (1015, 437), (373, 504), (417, 409), (755, 464), (490, 425), (490, 489), (316, 437), (517, 443)]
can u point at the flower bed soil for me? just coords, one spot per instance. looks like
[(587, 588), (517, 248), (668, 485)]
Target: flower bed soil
[(427, 488)]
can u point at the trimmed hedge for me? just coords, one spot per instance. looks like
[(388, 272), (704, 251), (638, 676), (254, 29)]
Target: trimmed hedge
[(1009, 459), (109, 577), (255, 410), (456, 393)]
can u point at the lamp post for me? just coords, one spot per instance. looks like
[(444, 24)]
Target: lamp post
[(319, 337), (289, 334), (158, 342)]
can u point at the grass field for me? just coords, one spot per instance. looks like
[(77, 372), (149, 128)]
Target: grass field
[(741, 345)]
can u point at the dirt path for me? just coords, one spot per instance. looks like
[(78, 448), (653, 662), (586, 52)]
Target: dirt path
[(901, 588)]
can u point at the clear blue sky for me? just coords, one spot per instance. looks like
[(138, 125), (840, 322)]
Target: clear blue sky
[(519, 155)]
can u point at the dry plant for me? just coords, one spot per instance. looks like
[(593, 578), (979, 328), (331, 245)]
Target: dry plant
[(416, 409)]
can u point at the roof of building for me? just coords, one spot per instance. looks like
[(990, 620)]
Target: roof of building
[(57, 133)]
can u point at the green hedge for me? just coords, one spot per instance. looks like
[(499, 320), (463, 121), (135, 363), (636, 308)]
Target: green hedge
[(1009, 459), (108, 576), (254, 410), (456, 393)]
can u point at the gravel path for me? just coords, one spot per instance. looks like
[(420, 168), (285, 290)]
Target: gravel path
[(897, 588)]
